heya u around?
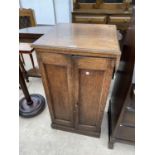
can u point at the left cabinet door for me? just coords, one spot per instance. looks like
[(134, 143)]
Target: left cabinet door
[(57, 74)]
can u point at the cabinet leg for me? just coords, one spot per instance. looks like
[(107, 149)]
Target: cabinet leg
[(110, 145)]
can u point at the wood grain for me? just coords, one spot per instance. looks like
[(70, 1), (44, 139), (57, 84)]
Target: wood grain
[(81, 37), (90, 19), (76, 82)]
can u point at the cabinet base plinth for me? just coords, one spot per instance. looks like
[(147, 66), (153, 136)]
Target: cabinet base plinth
[(70, 129)]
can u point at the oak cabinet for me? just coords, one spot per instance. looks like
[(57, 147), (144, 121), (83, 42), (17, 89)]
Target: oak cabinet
[(76, 82), (78, 87)]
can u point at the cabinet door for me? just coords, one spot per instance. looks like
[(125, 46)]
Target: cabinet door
[(92, 81), (57, 78)]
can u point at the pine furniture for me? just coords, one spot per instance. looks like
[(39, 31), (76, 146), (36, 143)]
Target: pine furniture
[(114, 12)]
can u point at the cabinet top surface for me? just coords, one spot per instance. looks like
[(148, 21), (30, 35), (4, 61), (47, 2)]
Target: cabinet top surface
[(82, 37)]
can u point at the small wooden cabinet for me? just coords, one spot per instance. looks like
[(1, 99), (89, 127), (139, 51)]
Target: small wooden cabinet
[(76, 70)]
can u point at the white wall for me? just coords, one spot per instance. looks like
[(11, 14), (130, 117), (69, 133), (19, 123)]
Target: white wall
[(63, 11), (50, 11), (44, 10)]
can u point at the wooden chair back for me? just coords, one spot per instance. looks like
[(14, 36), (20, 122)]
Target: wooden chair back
[(26, 18)]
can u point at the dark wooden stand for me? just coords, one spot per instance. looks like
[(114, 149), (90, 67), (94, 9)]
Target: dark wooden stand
[(21, 64), (121, 114), (30, 105), (122, 125), (29, 35), (33, 72)]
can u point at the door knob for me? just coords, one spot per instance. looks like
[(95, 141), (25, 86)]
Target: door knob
[(87, 73)]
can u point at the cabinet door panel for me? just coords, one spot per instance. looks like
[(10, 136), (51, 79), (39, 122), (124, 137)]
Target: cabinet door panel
[(92, 81), (58, 78), (90, 87)]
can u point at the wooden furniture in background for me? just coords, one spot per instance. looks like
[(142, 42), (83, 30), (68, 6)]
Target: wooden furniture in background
[(122, 103), (27, 19), (31, 34), (76, 70), (102, 4), (117, 12), (25, 48)]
